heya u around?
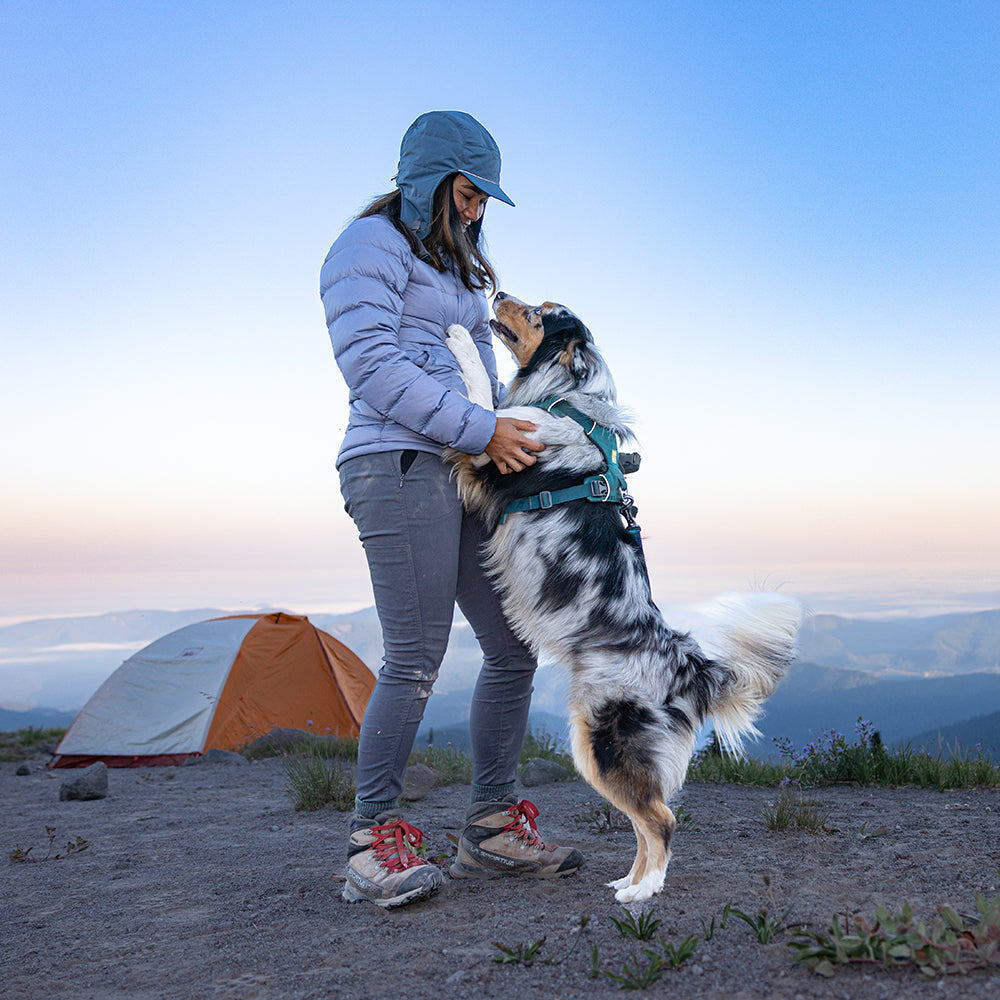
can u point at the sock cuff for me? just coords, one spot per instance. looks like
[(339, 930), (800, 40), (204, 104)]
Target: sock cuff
[(369, 810), (491, 793)]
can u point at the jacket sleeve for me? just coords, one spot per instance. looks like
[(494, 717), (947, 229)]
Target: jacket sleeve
[(362, 286)]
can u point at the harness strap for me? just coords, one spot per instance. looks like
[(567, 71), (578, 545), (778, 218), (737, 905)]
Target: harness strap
[(604, 487)]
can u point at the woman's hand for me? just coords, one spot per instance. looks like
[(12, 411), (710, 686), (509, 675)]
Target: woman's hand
[(510, 449)]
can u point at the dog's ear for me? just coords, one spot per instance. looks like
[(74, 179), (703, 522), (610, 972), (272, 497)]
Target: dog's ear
[(578, 357), (559, 320), (575, 341)]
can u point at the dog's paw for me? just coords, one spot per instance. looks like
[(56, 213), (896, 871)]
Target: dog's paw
[(478, 389), (647, 886), (620, 883), (459, 341)]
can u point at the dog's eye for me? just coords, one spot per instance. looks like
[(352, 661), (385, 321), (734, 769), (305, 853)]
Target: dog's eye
[(535, 313)]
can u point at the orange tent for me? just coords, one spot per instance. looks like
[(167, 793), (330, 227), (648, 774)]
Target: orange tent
[(219, 683)]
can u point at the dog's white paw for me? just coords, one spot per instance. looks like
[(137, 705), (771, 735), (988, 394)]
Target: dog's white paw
[(620, 883), (478, 389), (647, 886), (459, 341)]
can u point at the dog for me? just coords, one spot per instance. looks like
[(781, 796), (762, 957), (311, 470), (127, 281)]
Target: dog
[(573, 584)]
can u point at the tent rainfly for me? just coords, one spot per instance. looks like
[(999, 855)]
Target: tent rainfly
[(219, 683)]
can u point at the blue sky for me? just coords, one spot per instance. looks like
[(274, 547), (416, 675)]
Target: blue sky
[(781, 221)]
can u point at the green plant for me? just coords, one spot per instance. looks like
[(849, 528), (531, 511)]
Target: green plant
[(947, 943), (867, 761), (642, 929), (763, 923), (527, 954), (636, 974), (603, 817), (312, 744), (679, 955), (684, 819), (870, 830), (639, 973), (792, 812), (718, 765), (595, 962), (21, 855), (547, 746), (518, 954), (450, 765), (314, 782), (22, 744)]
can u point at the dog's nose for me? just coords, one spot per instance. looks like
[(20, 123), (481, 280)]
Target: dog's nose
[(500, 296)]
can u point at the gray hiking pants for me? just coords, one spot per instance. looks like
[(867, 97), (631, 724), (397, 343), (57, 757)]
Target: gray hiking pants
[(423, 555)]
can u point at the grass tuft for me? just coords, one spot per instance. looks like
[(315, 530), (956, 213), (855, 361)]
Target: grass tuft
[(315, 781), (790, 811), (450, 765)]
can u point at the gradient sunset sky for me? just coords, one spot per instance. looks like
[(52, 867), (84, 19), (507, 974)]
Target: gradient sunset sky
[(781, 221)]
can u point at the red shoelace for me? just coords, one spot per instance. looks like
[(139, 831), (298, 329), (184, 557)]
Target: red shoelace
[(393, 842), (523, 826)]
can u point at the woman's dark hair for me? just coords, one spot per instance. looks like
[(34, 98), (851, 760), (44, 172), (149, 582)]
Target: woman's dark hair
[(449, 243)]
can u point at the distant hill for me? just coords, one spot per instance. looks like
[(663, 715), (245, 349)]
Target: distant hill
[(913, 647), (34, 718), (132, 627), (981, 730), (815, 698)]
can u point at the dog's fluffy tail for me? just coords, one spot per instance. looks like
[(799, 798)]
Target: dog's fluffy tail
[(755, 638)]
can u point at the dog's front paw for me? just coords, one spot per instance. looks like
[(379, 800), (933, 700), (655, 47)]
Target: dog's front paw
[(478, 389), (459, 341), (647, 886), (620, 883)]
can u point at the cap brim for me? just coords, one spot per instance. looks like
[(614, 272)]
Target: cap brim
[(488, 187)]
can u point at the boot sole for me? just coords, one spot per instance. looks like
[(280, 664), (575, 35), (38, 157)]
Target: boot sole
[(352, 894), (459, 870)]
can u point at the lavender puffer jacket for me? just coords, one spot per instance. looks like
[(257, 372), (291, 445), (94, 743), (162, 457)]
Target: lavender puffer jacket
[(387, 312)]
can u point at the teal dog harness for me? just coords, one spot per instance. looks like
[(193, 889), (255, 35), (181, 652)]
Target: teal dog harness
[(604, 487)]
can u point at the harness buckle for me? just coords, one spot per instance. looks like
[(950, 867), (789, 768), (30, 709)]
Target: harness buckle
[(600, 488), (545, 500)]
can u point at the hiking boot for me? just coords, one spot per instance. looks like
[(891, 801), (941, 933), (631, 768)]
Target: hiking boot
[(501, 838), (381, 865)]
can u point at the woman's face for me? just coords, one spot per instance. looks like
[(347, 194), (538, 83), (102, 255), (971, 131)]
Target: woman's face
[(469, 200)]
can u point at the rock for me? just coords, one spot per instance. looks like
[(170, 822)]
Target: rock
[(418, 780), (23, 770), (90, 783), (538, 771), (217, 756)]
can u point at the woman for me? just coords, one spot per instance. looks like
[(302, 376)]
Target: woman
[(402, 272)]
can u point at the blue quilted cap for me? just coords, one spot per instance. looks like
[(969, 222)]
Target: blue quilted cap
[(437, 144)]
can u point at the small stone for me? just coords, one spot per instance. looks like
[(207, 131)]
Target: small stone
[(418, 780), (90, 783), (23, 770)]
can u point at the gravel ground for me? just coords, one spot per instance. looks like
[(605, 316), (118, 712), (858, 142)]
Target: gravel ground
[(204, 882)]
